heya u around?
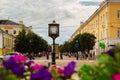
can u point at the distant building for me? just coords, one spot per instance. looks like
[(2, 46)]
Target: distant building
[(6, 42), (13, 28), (8, 30), (104, 24)]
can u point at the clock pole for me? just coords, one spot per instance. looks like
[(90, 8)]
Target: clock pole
[(53, 54), (53, 33)]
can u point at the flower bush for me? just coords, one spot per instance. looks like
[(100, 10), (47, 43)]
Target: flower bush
[(108, 67), (18, 68)]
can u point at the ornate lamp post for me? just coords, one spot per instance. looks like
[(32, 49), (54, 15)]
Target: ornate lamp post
[(53, 33)]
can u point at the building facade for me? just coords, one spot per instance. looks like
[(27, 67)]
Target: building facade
[(13, 28), (8, 31), (6, 42), (104, 23)]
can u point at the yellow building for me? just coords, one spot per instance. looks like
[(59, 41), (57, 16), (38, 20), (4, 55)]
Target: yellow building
[(104, 24), (9, 30), (6, 42), (13, 28)]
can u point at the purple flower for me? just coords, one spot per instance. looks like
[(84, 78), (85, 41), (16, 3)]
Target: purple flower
[(29, 63), (42, 74), (116, 76), (69, 69), (110, 52), (10, 63), (17, 68), (1, 77)]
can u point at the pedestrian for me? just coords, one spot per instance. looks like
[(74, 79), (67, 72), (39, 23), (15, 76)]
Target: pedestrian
[(69, 55), (47, 55), (61, 57), (93, 54), (31, 56), (90, 55), (77, 56)]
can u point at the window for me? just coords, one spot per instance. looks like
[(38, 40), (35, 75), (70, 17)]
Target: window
[(106, 15), (14, 32), (118, 14), (6, 31), (119, 32), (101, 19)]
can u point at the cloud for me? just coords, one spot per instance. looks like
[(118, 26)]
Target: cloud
[(39, 13), (90, 3)]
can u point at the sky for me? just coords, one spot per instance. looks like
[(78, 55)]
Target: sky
[(39, 13)]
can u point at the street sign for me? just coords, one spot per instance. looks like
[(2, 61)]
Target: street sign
[(77, 45)]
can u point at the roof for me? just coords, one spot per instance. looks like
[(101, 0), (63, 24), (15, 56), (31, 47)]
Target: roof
[(8, 22), (96, 12)]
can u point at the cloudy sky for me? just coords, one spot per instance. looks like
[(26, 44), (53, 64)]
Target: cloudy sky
[(39, 13)]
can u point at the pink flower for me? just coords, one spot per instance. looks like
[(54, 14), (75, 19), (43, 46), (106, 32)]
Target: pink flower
[(53, 67), (116, 76), (60, 71), (20, 58), (36, 67)]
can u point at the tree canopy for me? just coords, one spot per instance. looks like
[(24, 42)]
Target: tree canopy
[(86, 42), (30, 42)]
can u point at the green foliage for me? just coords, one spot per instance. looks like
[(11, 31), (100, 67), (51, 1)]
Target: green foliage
[(21, 42), (107, 66), (86, 42), (30, 42), (102, 45), (7, 75), (117, 55)]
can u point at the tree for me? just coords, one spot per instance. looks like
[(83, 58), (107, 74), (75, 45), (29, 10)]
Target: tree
[(30, 42), (21, 42), (87, 41), (36, 43)]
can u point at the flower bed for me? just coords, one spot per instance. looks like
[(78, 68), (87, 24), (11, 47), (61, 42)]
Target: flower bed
[(17, 68)]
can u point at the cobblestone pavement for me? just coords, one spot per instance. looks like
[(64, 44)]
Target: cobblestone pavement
[(63, 62)]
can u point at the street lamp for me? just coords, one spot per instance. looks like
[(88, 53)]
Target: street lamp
[(53, 33)]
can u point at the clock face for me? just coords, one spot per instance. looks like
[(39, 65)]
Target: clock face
[(53, 30)]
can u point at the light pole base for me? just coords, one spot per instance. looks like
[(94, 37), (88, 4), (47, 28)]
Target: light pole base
[(53, 63)]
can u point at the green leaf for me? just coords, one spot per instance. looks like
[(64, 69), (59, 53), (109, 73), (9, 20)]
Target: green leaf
[(117, 57), (11, 77), (2, 70), (86, 70), (86, 78), (105, 59)]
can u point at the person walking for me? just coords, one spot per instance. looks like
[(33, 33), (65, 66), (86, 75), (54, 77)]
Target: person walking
[(47, 55), (61, 56), (77, 56)]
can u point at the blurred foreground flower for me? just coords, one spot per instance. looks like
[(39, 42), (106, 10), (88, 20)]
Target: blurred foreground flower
[(69, 69), (20, 58), (108, 67), (41, 74), (18, 68), (116, 76), (37, 67)]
